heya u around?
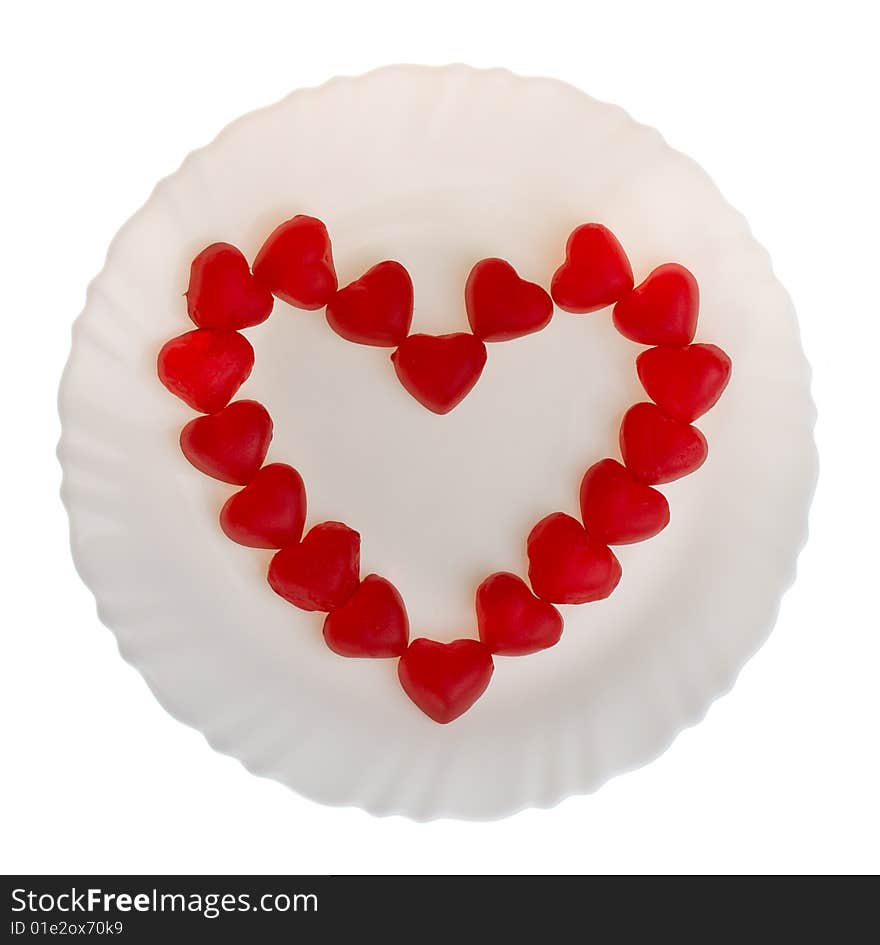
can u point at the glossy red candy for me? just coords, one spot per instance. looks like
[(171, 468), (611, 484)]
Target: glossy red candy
[(371, 623), (376, 309), (231, 444), (501, 306), (205, 368), (445, 679), (222, 292), (269, 512), (657, 448), (662, 310), (296, 263), (511, 620), (322, 571), (595, 273), (684, 382), (618, 509), (440, 370), (568, 566)]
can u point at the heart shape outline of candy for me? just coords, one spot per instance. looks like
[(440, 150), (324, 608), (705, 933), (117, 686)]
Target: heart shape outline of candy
[(570, 560)]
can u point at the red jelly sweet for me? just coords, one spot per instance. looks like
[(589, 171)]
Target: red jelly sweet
[(296, 263), (376, 309), (662, 310), (445, 679), (372, 623), (440, 370), (618, 509), (568, 566), (657, 448), (322, 571), (684, 382), (231, 444), (595, 273), (205, 368), (269, 512), (511, 620), (502, 306), (222, 292)]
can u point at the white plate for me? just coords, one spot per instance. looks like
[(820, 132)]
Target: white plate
[(437, 168)]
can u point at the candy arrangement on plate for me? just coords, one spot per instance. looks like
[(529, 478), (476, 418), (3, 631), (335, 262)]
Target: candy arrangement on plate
[(570, 560), (493, 475)]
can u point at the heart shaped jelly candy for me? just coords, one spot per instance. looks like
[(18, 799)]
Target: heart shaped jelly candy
[(371, 623), (269, 512), (440, 370), (296, 263), (618, 509), (445, 679), (501, 306), (511, 620), (657, 448), (222, 292), (376, 309), (595, 273), (231, 444), (205, 368), (684, 382), (568, 566), (322, 571), (662, 310)]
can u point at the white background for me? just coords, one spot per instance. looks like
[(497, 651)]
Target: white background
[(776, 100)]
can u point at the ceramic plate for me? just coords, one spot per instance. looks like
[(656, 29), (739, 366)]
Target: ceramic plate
[(437, 168)]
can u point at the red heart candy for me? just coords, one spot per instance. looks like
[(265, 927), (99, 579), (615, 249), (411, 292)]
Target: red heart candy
[(501, 306), (222, 292), (269, 512), (657, 448), (445, 679), (231, 444), (205, 368), (618, 509), (321, 572), (662, 310), (568, 566), (512, 621), (684, 382), (376, 309), (296, 263), (595, 273), (371, 623), (440, 370)]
